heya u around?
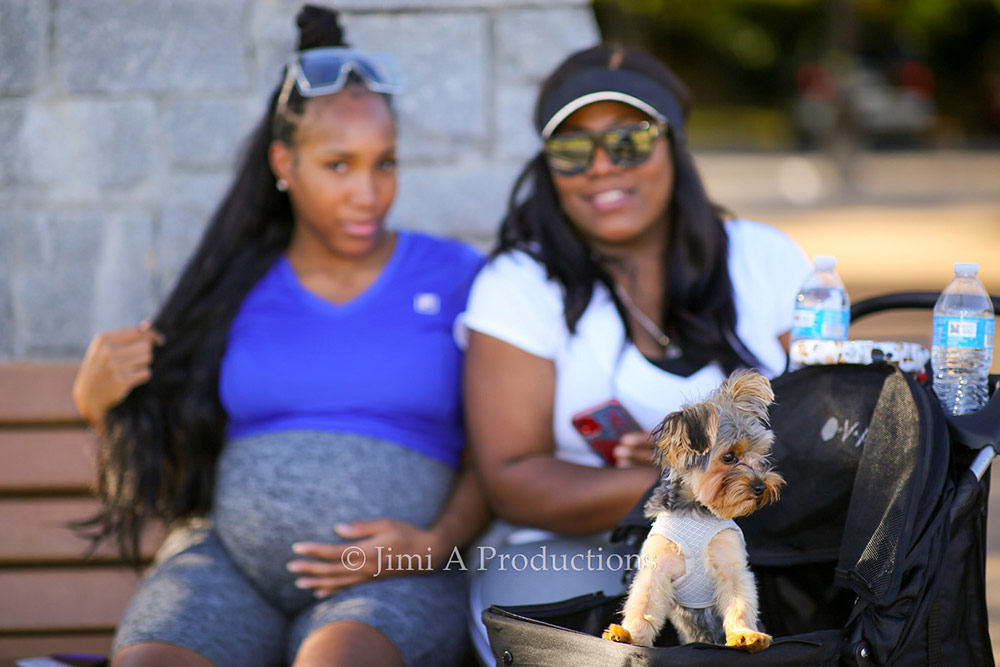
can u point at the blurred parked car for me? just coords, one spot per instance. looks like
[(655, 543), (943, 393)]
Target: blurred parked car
[(888, 105)]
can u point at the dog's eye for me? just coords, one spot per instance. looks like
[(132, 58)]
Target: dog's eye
[(729, 457)]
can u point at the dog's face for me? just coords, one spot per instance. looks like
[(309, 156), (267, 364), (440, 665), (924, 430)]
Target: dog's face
[(718, 449)]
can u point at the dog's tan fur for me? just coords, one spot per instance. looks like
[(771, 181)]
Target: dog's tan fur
[(715, 459)]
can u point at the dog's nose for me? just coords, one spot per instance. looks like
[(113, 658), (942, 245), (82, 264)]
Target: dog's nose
[(758, 488)]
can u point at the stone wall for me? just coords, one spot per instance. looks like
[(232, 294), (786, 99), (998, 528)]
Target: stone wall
[(120, 122)]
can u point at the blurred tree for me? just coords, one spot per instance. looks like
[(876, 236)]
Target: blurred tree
[(747, 54)]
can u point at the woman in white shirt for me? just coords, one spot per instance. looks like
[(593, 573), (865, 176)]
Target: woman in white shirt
[(615, 278)]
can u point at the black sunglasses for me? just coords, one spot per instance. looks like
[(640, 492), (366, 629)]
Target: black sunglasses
[(572, 153)]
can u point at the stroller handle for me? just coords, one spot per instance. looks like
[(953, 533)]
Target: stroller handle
[(902, 301), (982, 462), (979, 430)]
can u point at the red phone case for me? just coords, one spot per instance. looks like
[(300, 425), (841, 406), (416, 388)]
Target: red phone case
[(603, 425)]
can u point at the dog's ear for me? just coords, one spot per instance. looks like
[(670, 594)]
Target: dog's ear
[(750, 391), (683, 436)]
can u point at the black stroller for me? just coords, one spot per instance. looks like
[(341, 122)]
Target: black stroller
[(875, 554)]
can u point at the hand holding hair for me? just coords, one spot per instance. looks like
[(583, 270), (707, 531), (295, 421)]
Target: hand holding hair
[(116, 362)]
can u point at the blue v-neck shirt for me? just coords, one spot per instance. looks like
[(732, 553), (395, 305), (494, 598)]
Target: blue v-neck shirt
[(385, 364)]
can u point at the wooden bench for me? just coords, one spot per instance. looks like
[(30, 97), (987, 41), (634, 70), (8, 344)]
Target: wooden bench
[(51, 600)]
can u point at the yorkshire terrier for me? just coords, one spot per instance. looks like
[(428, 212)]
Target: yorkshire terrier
[(714, 456)]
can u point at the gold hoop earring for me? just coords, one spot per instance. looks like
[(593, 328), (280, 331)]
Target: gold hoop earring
[(281, 185)]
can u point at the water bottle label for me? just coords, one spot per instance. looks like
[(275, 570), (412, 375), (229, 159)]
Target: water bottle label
[(826, 323), (970, 332)]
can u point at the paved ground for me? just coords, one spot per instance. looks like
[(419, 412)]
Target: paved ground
[(902, 223)]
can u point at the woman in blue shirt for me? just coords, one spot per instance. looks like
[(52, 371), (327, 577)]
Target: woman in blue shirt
[(294, 406)]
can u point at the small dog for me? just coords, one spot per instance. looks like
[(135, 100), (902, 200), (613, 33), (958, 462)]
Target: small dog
[(714, 456)]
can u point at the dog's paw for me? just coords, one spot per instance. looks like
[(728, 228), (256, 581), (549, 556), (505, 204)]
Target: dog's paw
[(748, 640), (616, 633)]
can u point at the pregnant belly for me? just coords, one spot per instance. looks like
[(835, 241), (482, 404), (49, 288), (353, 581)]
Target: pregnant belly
[(275, 489)]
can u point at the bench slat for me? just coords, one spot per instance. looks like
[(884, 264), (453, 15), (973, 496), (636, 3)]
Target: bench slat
[(41, 645), (37, 392), (47, 459), (35, 531), (45, 451), (64, 598)]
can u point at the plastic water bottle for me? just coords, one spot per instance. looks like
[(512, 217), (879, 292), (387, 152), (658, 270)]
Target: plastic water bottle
[(822, 309), (962, 343)]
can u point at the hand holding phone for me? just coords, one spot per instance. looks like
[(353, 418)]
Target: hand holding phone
[(603, 425)]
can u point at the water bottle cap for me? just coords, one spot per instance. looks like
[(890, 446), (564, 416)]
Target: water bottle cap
[(824, 262), (966, 267)]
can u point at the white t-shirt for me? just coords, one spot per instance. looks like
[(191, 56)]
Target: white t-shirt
[(514, 301)]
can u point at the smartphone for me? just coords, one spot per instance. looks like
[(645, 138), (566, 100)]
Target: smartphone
[(603, 425)]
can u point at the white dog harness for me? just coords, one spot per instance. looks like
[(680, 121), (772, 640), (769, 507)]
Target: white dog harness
[(695, 588)]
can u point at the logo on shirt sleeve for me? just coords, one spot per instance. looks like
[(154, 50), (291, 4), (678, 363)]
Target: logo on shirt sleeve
[(427, 303)]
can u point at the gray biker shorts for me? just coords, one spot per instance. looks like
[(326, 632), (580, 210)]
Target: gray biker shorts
[(220, 587), (235, 625)]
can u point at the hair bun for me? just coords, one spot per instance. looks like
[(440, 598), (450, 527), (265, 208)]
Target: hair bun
[(319, 26)]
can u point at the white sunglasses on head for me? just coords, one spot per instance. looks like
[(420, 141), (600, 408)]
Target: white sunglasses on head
[(326, 70)]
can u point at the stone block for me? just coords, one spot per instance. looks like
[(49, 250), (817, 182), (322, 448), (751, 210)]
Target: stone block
[(206, 133), (82, 150), (516, 138), (78, 272), (271, 60), (185, 215), (443, 112), (464, 200), (11, 122), (531, 42), (274, 36), (151, 45), (431, 5), (24, 31), (6, 280)]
